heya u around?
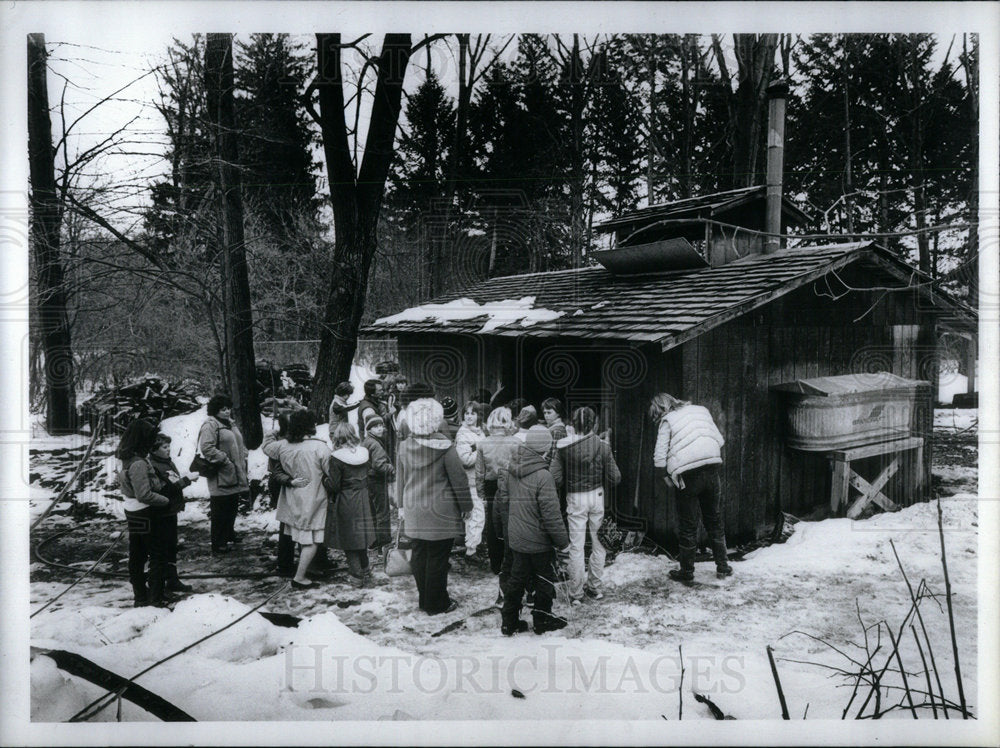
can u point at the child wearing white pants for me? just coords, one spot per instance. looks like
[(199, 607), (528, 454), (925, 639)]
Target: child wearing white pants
[(467, 439), (584, 464), (585, 512)]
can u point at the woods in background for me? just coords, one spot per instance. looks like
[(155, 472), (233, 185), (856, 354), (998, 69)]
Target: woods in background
[(375, 174)]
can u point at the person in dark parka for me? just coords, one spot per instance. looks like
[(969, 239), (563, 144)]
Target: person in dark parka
[(349, 522), (380, 472), (535, 531)]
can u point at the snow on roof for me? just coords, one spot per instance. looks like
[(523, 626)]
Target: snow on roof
[(505, 312)]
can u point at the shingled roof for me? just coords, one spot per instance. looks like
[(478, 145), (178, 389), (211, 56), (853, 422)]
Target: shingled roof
[(668, 308)]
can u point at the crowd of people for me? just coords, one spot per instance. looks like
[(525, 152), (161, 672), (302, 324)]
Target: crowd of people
[(526, 493)]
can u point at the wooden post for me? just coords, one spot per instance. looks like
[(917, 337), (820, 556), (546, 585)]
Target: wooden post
[(841, 485)]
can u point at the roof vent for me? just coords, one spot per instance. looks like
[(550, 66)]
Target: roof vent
[(669, 254)]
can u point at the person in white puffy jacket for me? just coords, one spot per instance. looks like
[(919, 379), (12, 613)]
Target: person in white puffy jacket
[(467, 440), (688, 452)]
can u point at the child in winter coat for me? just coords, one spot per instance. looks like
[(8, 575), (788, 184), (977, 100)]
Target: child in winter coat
[(350, 526), (467, 439), (449, 424), (339, 407), (144, 502), (688, 451), (173, 488), (535, 531), (277, 478), (380, 472), (492, 457), (553, 413), (526, 418), (584, 466)]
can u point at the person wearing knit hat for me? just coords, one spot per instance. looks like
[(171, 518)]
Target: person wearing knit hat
[(380, 472), (534, 531), (433, 493), (527, 418), (450, 408), (449, 424)]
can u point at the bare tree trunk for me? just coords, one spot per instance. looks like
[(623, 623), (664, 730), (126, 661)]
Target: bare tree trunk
[(848, 171), (236, 284), (357, 200), (755, 61), (46, 219), (688, 94), (970, 63), (652, 134)]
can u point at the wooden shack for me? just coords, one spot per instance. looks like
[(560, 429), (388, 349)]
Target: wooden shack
[(715, 325)]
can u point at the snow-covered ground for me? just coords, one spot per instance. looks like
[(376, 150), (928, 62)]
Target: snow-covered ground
[(370, 655)]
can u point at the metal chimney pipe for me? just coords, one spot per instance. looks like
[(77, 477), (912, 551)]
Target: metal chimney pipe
[(777, 93)]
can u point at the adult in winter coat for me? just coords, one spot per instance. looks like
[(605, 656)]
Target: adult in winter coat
[(172, 486), (433, 492), (371, 404), (350, 525), (380, 472), (688, 453), (467, 439), (584, 466), (221, 443), (535, 530), (144, 505), (301, 505), (553, 413), (492, 459)]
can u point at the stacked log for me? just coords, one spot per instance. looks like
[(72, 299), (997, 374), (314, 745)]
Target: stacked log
[(151, 398)]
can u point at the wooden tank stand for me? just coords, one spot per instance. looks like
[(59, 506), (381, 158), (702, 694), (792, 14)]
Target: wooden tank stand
[(844, 476)]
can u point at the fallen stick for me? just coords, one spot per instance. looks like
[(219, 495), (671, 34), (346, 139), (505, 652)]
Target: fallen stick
[(81, 667), (680, 688), (712, 707), (777, 683)]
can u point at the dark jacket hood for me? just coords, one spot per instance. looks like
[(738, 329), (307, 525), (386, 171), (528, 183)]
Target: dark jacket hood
[(526, 461)]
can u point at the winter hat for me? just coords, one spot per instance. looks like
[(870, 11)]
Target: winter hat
[(528, 417), (373, 420), (450, 408), (539, 439), (424, 416)]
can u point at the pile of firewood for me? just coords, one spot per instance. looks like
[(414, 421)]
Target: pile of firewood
[(151, 398)]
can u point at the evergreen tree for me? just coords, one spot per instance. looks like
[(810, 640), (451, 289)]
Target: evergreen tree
[(275, 135)]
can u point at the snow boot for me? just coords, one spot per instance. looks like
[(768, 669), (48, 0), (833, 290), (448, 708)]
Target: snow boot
[(681, 575), (517, 627), (723, 571), (546, 622)]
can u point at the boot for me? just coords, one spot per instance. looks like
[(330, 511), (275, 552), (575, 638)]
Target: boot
[(685, 557), (514, 627), (722, 567), (545, 622)]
